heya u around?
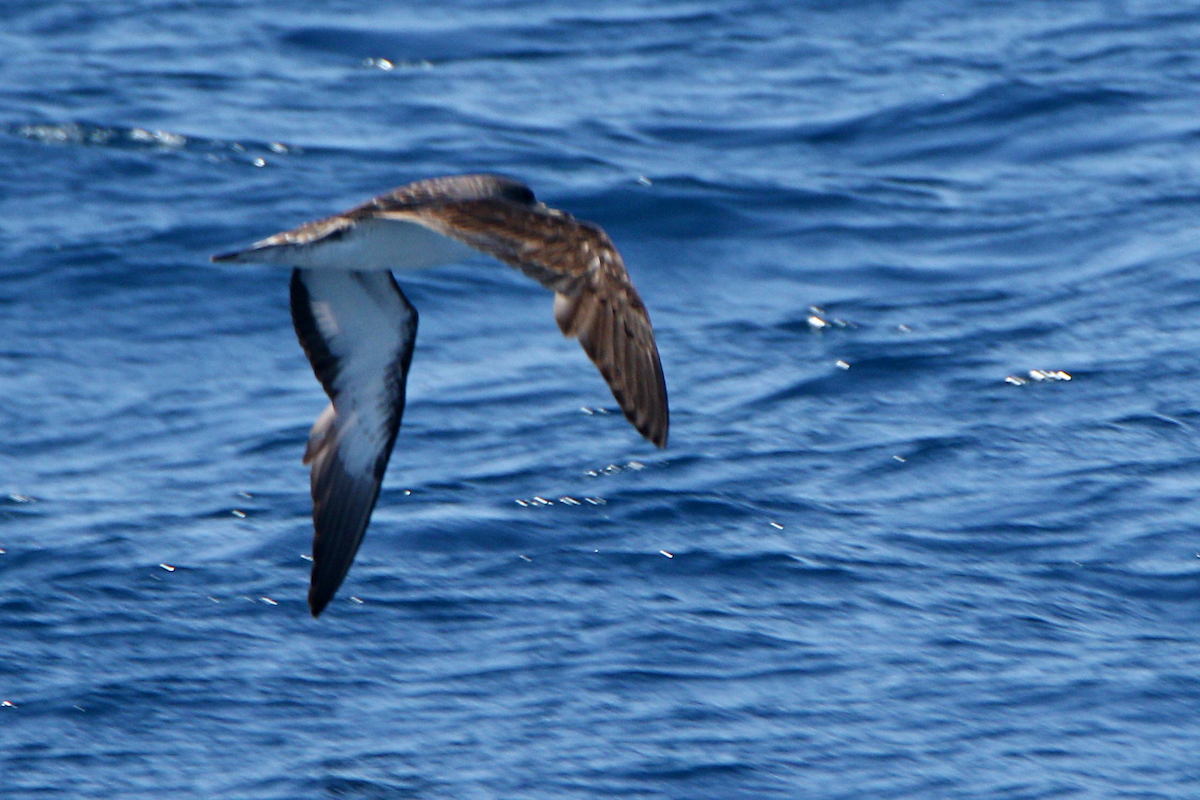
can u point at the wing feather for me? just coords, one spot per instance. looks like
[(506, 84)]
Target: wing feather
[(595, 298), (358, 331), (357, 328)]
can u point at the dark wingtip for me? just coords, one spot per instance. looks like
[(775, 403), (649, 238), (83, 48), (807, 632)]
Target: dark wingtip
[(656, 436), (324, 583), (653, 430), (219, 257), (318, 600)]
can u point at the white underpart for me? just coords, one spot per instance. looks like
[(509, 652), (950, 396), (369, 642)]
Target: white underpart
[(369, 244), (365, 324)]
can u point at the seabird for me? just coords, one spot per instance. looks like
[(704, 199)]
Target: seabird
[(358, 328)]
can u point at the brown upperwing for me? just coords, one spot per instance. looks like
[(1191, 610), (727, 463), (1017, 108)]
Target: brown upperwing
[(594, 297)]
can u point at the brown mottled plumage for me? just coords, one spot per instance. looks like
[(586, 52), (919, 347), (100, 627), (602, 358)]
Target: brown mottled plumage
[(336, 301)]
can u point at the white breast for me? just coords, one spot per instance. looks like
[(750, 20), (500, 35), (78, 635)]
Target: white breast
[(369, 244)]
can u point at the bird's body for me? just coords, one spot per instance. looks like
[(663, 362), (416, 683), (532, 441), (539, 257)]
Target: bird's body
[(358, 329)]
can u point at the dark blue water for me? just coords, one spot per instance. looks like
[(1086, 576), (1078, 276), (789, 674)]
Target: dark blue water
[(879, 558)]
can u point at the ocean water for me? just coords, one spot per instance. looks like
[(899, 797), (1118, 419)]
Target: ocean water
[(925, 282)]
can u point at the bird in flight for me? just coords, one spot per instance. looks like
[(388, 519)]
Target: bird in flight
[(358, 328)]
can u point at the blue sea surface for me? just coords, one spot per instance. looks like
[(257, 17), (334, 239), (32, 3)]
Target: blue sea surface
[(925, 278)]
